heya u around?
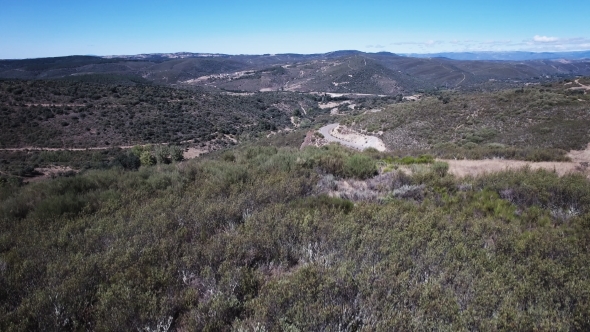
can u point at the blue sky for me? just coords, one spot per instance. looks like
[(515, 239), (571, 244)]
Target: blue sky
[(103, 27)]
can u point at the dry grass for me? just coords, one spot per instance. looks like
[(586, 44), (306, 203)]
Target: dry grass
[(579, 164)]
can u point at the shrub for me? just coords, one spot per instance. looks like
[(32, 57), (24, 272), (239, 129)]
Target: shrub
[(147, 159), (138, 149), (161, 153), (360, 166), (423, 159), (325, 201), (176, 153), (415, 192), (441, 168), (128, 161), (228, 156)]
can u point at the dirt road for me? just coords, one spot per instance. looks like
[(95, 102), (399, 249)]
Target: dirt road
[(336, 133), (580, 87)]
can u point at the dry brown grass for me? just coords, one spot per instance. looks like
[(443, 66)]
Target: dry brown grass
[(579, 164)]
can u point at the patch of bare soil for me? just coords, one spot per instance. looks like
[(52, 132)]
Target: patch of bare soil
[(332, 104), (191, 153), (412, 97), (580, 164), (580, 156), (46, 173), (312, 139)]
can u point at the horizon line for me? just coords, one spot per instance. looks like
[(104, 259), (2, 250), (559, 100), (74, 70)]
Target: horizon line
[(287, 53)]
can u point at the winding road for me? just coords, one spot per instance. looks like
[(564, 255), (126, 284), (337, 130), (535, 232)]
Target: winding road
[(355, 141)]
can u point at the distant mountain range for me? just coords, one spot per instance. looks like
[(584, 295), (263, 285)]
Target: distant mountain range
[(504, 56), (488, 55), (346, 71)]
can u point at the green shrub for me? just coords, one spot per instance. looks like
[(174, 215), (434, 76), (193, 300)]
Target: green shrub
[(54, 206), (360, 166), (325, 201), (128, 161), (440, 168), (161, 153), (147, 159), (138, 149), (176, 153), (228, 156), (423, 159)]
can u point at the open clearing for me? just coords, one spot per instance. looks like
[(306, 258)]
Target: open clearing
[(579, 164), (47, 173)]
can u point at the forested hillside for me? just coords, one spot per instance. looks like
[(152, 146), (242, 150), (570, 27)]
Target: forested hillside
[(74, 114)]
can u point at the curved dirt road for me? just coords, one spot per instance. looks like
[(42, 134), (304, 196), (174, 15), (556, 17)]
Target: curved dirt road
[(352, 140)]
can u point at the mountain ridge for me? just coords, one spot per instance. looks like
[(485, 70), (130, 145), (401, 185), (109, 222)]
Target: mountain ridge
[(345, 71)]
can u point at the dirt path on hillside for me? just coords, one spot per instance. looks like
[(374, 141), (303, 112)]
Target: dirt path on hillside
[(35, 148), (579, 164), (188, 153), (580, 87)]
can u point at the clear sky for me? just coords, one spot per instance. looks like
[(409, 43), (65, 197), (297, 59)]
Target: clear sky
[(41, 28)]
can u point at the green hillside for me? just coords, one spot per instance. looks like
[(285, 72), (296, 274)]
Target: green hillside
[(446, 122), (79, 114)]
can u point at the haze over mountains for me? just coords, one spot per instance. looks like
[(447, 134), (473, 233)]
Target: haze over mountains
[(505, 56), (334, 72)]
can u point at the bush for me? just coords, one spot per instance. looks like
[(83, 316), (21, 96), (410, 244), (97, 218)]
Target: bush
[(161, 153), (228, 156), (359, 166), (147, 159), (441, 168), (324, 201), (128, 161), (423, 159), (176, 153)]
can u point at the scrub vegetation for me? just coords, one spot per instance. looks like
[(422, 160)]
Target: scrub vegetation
[(78, 114), (531, 123), (252, 240)]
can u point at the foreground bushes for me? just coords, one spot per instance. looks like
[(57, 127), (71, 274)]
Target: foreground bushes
[(243, 243)]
